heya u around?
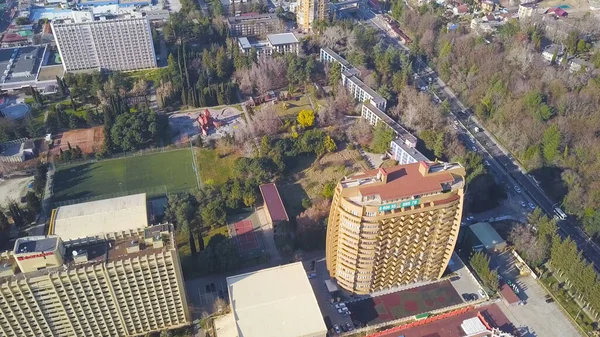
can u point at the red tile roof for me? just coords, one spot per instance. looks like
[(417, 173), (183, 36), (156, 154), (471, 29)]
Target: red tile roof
[(273, 202), (406, 181), (508, 294), (12, 37)]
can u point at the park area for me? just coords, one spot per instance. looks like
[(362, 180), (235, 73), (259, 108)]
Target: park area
[(215, 166), (155, 174), (404, 303)]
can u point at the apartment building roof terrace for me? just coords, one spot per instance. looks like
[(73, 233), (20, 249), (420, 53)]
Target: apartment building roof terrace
[(404, 181), (398, 129), (342, 61), (91, 250)]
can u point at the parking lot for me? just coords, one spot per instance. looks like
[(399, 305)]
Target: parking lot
[(532, 319), (463, 282)]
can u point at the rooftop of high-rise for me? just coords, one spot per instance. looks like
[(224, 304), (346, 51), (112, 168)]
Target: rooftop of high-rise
[(400, 182)]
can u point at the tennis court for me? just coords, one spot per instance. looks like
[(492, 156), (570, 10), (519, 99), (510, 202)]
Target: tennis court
[(404, 303), (244, 230)]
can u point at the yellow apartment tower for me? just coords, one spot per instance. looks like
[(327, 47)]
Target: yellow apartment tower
[(310, 10), (126, 283), (394, 226)]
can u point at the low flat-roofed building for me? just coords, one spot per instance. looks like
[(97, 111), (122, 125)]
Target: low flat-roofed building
[(327, 56), (253, 24), (487, 235), (360, 91), (275, 302), (283, 43), (275, 210), (97, 217), (21, 67)]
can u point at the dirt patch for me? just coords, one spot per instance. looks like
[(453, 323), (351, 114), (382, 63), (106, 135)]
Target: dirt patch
[(185, 124), (89, 140), (13, 189), (310, 178)]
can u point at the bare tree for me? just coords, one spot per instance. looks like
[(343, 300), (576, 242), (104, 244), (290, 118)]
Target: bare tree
[(360, 132), (220, 306), (264, 122), (267, 74), (527, 244)]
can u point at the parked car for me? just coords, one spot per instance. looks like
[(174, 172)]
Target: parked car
[(337, 329), (517, 189), (549, 300), (349, 327), (481, 293), (312, 275), (531, 206), (344, 328), (523, 204)]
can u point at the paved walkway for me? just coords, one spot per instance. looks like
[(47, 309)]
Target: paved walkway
[(267, 231)]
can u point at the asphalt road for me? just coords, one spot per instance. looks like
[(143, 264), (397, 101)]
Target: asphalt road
[(500, 162)]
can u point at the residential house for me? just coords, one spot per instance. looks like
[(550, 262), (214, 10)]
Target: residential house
[(551, 50), (461, 10)]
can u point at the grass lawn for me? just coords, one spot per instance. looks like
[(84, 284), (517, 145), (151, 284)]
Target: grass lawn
[(150, 75), (294, 106), (155, 174), (216, 165)]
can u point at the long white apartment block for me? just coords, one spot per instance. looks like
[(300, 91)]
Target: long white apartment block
[(86, 42)]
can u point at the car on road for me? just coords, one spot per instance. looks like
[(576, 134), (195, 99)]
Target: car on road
[(531, 206), (337, 329), (312, 276), (470, 217), (517, 189), (486, 163), (523, 204), (474, 148)]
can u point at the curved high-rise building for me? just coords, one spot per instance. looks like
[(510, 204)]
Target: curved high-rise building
[(394, 226)]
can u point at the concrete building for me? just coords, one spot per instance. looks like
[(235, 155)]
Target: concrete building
[(97, 217), (328, 56), (87, 42), (17, 151), (127, 283), (403, 147), (484, 236), (552, 50), (527, 10), (284, 43), (254, 24), (275, 302), (393, 226), (361, 91), (309, 11), (275, 210)]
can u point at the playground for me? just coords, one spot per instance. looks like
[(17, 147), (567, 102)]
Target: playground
[(404, 303), (221, 121)]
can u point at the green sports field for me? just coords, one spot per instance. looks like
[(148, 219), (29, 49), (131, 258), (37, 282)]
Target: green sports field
[(155, 174)]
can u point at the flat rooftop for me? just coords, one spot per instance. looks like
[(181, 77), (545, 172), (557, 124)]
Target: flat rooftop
[(102, 216), (455, 326), (274, 203), (413, 152), (351, 76), (34, 244), (275, 302), (406, 181), (398, 129), (252, 17), (26, 62), (283, 38), (337, 57)]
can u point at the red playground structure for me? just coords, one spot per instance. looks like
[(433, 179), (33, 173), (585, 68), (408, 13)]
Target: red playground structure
[(205, 121)]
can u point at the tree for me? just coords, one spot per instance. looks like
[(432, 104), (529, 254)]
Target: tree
[(527, 245), (481, 264), (328, 190), (4, 223), (360, 132), (181, 209), (382, 138), (306, 118), (33, 202), (334, 75), (39, 179), (135, 130), (551, 143)]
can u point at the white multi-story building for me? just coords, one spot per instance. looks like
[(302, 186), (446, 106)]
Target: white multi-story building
[(86, 42), (284, 43), (328, 56), (404, 146), (360, 91), (127, 283)]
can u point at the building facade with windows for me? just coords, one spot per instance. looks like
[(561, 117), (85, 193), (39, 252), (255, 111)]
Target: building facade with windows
[(254, 25), (360, 91), (284, 43), (328, 56), (403, 147), (393, 226), (308, 11), (86, 42), (126, 283)]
